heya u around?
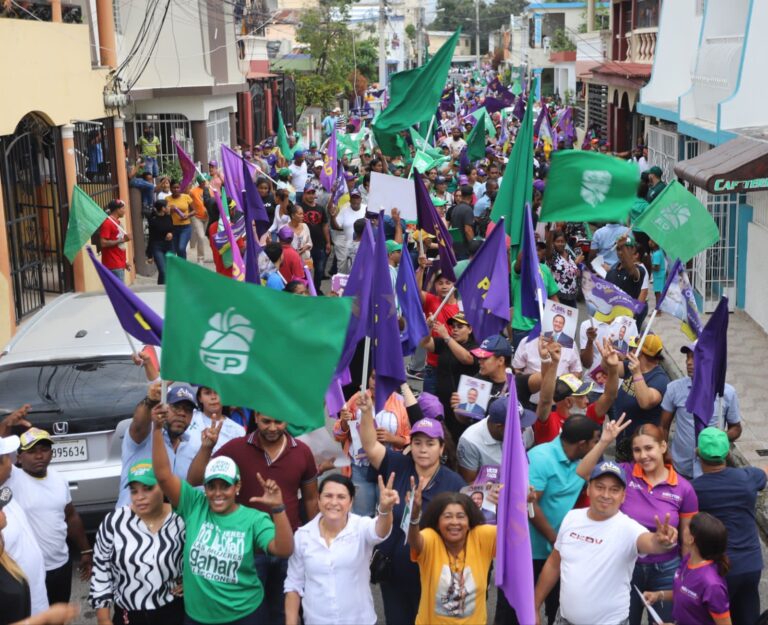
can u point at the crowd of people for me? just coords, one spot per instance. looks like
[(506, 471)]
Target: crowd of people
[(224, 516)]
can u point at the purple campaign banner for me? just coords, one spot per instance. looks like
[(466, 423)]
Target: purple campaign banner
[(608, 299)]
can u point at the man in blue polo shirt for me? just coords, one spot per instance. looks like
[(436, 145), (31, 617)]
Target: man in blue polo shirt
[(673, 407), (553, 476)]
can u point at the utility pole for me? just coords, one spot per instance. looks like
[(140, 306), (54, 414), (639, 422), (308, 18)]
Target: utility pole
[(382, 44), (590, 15), (419, 36), (477, 33)]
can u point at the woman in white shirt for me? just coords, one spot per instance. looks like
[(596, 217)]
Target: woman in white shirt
[(302, 239), (329, 572)]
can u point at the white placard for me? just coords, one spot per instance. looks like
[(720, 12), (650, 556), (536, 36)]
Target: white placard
[(388, 192), (563, 321), (325, 447), (474, 394)]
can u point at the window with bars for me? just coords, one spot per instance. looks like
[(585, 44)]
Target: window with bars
[(597, 105), (218, 132)]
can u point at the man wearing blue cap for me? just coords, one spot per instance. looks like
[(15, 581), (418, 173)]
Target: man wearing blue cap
[(595, 551), (182, 445)]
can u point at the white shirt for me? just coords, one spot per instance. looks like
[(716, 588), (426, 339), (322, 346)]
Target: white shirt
[(477, 447), (43, 500), (299, 176), (229, 429), (528, 360), (21, 545), (346, 220), (596, 560), (334, 582)]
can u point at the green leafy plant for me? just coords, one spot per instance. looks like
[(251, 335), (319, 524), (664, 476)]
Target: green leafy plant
[(561, 42)]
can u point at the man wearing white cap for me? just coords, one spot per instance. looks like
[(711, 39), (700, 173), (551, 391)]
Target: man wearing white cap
[(18, 539)]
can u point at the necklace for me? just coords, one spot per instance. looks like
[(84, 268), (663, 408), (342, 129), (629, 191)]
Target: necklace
[(456, 563), (155, 522)]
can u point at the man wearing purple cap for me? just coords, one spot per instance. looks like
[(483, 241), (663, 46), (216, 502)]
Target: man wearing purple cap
[(291, 267)]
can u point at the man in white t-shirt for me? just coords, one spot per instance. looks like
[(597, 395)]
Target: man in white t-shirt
[(595, 553), (18, 540), (343, 220), (44, 496), (528, 360)]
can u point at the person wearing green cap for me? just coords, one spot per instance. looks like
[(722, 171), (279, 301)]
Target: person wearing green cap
[(221, 582), (394, 254), (137, 559), (655, 183), (730, 494)]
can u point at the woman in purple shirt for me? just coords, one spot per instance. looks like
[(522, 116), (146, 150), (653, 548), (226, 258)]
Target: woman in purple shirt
[(654, 490), (699, 593)]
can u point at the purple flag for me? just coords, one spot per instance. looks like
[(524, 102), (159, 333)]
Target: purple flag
[(431, 223), (565, 125), (484, 286), (238, 266), (388, 361), (310, 282), (682, 304), (464, 165), (137, 319), (710, 361), (531, 283), (254, 211), (188, 169), (233, 175), (608, 300), (514, 573), (409, 298), (519, 110), (329, 173), (543, 114)]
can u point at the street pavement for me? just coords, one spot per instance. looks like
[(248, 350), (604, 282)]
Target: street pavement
[(747, 346)]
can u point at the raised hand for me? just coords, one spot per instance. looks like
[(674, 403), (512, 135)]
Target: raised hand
[(388, 496), (210, 436), (441, 330), (364, 402), (666, 534), (555, 350), (608, 353), (416, 503), (543, 342), (455, 400), (17, 417), (612, 429), (592, 334), (634, 363), (272, 497), (159, 415)]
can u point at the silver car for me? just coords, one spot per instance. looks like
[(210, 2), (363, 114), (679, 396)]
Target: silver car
[(72, 363)]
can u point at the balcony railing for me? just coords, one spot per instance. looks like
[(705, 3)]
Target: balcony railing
[(40, 11), (641, 45)]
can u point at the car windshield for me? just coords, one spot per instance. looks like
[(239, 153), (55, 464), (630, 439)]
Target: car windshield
[(87, 395)]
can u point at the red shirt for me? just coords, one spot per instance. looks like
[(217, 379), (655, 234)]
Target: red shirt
[(292, 469), (431, 304), (549, 430), (111, 257), (291, 268)]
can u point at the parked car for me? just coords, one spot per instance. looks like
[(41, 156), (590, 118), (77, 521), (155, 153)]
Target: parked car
[(72, 363)]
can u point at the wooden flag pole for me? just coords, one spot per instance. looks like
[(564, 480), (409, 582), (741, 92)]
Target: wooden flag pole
[(130, 342), (366, 357), (163, 391), (645, 332), (434, 315)]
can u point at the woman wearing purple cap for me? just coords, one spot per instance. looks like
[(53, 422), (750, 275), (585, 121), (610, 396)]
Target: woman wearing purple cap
[(398, 575)]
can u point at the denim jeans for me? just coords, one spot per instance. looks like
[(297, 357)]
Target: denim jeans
[(181, 237), (147, 190), (120, 273), (150, 164), (158, 250), (319, 257), (364, 503), (651, 577), (272, 573)]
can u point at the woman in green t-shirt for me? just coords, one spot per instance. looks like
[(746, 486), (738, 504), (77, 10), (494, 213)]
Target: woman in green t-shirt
[(220, 581)]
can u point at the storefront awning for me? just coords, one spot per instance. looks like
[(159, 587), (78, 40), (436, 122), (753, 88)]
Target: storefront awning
[(738, 166)]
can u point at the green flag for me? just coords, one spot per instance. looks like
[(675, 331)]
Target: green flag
[(589, 186), (252, 343), (517, 184), (423, 162), (476, 141), (414, 96), (282, 137), (420, 143), (482, 112), (679, 223), (85, 217)]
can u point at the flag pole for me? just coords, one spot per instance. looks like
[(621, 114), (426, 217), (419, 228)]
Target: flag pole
[(646, 331), (434, 315), (130, 342), (163, 391), (263, 173), (429, 130), (366, 357), (540, 300)]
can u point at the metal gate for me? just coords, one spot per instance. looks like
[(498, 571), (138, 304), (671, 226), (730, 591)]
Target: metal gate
[(35, 197), (95, 160), (663, 151), (714, 269), (167, 127)]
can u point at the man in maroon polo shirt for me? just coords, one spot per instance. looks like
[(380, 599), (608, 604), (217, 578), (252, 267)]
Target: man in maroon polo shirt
[(275, 454)]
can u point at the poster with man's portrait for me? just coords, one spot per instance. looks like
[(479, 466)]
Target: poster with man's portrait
[(560, 323), (474, 395)]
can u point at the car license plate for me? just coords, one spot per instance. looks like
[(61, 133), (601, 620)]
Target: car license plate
[(70, 450)]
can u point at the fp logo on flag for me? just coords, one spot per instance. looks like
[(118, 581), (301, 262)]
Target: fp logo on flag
[(225, 348), (672, 217), (595, 186)]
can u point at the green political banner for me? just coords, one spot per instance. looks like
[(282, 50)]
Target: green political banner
[(589, 186), (85, 217), (679, 223), (259, 348)]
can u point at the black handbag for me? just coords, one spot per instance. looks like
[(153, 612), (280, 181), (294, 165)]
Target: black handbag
[(381, 567)]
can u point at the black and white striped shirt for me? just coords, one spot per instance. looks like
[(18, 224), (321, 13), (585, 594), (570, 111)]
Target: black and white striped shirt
[(132, 567)]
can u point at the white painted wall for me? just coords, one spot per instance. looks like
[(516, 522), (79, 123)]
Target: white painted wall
[(182, 55), (756, 302), (717, 65), (740, 111), (590, 47), (676, 48), (192, 107)]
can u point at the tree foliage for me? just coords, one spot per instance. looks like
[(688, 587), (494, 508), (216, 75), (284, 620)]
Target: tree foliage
[(330, 44), (493, 15)]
